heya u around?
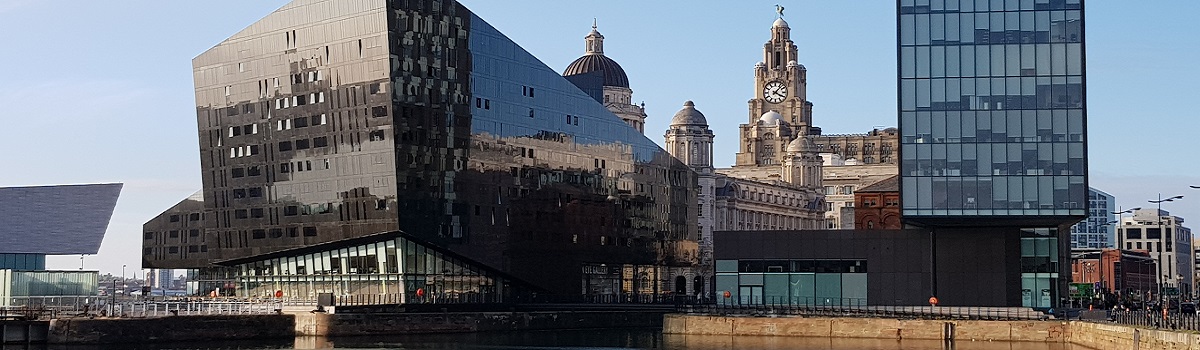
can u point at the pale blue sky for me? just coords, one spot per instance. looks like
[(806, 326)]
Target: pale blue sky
[(101, 91)]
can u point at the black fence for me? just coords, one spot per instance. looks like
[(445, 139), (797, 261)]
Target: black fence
[(1156, 319), (827, 307)]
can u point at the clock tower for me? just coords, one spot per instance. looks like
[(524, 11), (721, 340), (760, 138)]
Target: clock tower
[(780, 108)]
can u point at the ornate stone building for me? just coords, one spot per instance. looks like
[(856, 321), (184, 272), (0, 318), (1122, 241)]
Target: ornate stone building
[(605, 80), (791, 200), (780, 113)]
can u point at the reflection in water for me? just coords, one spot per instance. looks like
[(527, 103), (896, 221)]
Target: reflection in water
[(582, 339)]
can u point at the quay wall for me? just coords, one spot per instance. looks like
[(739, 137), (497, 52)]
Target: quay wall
[(1087, 334), (319, 324), (872, 328), (169, 329)]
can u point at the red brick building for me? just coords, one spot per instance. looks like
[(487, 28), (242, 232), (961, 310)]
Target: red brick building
[(877, 206), (1129, 271)]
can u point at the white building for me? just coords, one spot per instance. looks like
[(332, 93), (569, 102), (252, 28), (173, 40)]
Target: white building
[(1168, 242)]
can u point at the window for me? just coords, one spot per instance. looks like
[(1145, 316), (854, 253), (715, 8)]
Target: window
[(256, 212), (321, 142), (285, 167), (300, 122), (255, 192), (174, 218), (291, 210), (258, 233), (285, 146), (253, 171), (241, 214), (302, 144), (237, 172), (310, 231), (379, 111), (377, 135)]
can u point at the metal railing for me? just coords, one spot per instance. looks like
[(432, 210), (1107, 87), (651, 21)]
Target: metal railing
[(831, 307), (1155, 319)]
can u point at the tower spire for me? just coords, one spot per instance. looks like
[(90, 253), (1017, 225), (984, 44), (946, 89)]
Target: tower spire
[(595, 41)]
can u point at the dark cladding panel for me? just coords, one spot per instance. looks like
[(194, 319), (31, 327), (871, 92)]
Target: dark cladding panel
[(56, 220)]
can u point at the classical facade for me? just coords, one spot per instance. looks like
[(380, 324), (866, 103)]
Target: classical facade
[(605, 80), (792, 200), (780, 112)]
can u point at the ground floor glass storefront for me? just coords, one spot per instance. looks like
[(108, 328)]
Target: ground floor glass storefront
[(391, 269), (792, 282), (1039, 267)]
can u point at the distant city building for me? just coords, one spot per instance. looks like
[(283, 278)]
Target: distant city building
[(1098, 230), (1128, 273), (1167, 241), (51, 220), (877, 206), (411, 151), (992, 109)]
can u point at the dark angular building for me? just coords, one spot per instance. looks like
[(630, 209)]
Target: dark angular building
[(992, 104), (330, 123)]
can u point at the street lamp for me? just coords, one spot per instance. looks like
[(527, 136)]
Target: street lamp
[(1120, 224), (1158, 214)]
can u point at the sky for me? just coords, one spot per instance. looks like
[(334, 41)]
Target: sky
[(101, 91)]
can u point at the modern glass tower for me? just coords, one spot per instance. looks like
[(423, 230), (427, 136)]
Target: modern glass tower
[(394, 142), (993, 128)]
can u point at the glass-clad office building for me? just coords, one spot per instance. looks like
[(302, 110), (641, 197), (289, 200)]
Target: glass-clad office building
[(330, 120), (993, 122)]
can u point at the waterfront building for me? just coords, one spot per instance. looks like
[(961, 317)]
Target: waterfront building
[(352, 146), (791, 200), (603, 79), (992, 105), (1097, 231), (1168, 242), (781, 113), (51, 220)]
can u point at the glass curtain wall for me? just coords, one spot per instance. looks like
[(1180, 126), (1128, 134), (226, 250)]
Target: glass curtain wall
[(792, 282), (396, 270), (992, 108)]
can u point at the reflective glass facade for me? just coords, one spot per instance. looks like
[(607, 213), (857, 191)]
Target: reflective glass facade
[(23, 262), (17, 286), (329, 120), (992, 109)]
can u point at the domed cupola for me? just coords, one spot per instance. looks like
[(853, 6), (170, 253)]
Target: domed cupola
[(689, 115), (594, 62), (771, 118)]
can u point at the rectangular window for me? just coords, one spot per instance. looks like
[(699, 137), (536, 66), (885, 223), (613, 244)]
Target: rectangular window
[(300, 122), (310, 231), (285, 146), (321, 141), (302, 144)]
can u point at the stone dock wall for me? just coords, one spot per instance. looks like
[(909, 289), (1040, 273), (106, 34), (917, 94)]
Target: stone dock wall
[(318, 324), (237, 327), (1088, 334)]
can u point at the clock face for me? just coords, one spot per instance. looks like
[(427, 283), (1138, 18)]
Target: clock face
[(775, 92)]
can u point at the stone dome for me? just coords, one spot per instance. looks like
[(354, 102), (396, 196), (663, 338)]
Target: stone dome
[(771, 118), (801, 144), (780, 23), (600, 65), (689, 116)]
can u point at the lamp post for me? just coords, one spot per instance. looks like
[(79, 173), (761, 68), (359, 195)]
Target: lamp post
[(124, 285), (1158, 214), (1120, 225)]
